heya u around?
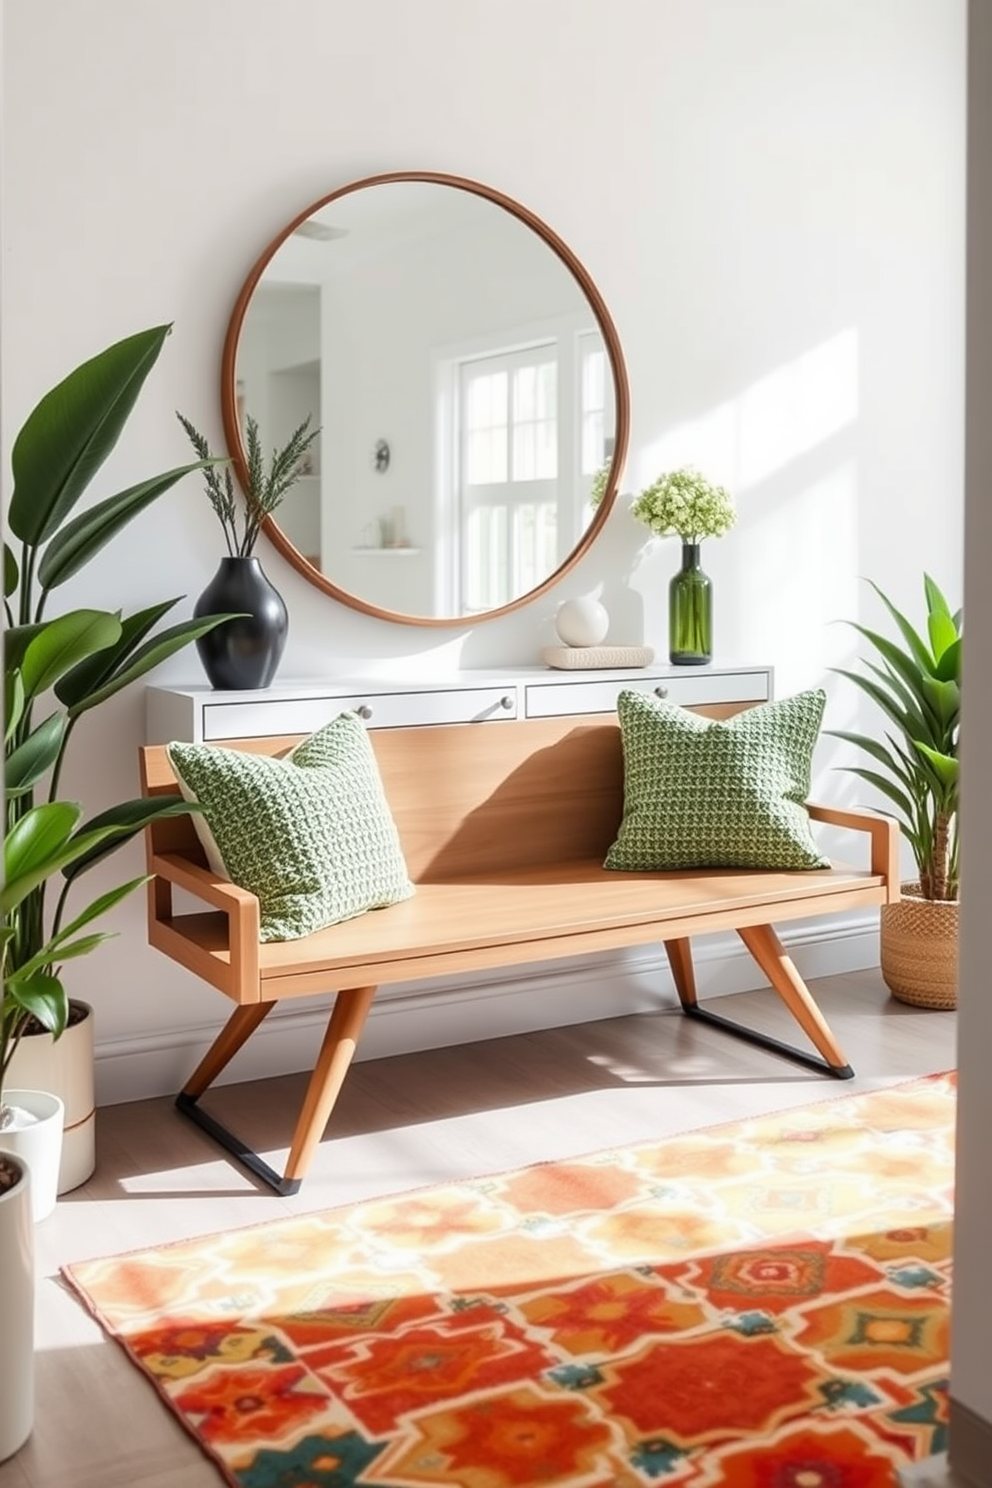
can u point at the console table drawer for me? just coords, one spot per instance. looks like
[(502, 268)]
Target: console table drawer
[(551, 700), (270, 717), (455, 705)]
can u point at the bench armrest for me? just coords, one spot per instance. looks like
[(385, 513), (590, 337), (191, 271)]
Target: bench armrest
[(239, 905), (884, 833)]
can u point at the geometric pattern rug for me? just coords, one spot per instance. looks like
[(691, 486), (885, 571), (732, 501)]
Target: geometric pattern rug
[(762, 1304)]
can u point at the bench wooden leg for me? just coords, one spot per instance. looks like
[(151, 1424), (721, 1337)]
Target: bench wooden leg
[(680, 960), (768, 951), (236, 1031), (770, 954), (346, 1021)]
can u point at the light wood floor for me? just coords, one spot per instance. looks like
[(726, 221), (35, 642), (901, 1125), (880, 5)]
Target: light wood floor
[(401, 1123)]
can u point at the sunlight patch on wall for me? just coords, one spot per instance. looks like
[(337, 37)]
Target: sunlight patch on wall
[(709, 442), (797, 580), (781, 417), (797, 407)]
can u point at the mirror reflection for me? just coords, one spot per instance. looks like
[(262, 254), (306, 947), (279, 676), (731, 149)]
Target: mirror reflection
[(464, 389)]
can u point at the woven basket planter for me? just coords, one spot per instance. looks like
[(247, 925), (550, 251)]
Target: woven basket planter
[(919, 949)]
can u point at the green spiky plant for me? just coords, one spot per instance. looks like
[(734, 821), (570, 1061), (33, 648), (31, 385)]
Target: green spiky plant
[(65, 666), (265, 486), (917, 686)]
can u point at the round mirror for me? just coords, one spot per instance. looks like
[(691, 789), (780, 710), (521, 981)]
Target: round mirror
[(469, 389)]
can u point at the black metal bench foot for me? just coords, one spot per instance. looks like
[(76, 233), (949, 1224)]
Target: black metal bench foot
[(233, 1144), (765, 1041)]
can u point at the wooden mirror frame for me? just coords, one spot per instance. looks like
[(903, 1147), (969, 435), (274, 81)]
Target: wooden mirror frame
[(232, 422)]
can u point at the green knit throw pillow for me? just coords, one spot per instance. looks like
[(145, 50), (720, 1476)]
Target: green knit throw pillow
[(311, 834), (699, 793)]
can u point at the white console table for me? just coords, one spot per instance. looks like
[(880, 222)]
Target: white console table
[(202, 715)]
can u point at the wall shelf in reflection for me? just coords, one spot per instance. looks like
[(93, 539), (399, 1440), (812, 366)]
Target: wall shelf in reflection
[(387, 552)]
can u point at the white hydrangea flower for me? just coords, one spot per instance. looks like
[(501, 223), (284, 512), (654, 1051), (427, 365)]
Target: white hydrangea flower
[(686, 504)]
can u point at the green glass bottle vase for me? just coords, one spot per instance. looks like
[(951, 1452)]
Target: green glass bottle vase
[(690, 612)]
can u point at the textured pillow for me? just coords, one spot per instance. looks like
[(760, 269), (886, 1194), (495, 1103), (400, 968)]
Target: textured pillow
[(311, 835), (705, 794)]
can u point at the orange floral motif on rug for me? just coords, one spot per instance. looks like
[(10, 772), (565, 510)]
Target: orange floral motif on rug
[(757, 1305)]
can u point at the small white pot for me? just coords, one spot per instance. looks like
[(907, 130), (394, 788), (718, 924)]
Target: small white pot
[(65, 1066), (17, 1270), (36, 1138)]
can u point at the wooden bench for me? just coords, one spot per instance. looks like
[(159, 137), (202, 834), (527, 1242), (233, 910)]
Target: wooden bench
[(504, 827)]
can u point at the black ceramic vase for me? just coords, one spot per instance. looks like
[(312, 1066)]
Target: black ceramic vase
[(243, 653)]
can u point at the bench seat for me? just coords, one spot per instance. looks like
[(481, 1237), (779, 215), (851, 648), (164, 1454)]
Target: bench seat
[(533, 914)]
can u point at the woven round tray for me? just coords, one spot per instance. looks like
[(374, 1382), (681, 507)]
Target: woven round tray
[(919, 949)]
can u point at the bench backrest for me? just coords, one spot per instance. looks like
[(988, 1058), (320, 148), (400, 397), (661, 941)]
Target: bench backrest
[(473, 797)]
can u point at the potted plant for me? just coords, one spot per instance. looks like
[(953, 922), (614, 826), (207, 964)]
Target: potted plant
[(245, 652), (64, 666), (17, 1270), (916, 684), (684, 503)]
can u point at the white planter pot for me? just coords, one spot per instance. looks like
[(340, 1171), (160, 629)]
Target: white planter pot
[(65, 1066), (17, 1270), (36, 1138)]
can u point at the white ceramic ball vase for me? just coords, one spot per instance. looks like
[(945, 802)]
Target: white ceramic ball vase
[(582, 622)]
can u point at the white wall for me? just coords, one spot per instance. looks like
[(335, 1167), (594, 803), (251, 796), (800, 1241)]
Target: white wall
[(769, 196)]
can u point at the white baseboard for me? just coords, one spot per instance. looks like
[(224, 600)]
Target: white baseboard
[(430, 1015)]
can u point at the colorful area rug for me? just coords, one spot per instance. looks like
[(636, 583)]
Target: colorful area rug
[(756, 1305)]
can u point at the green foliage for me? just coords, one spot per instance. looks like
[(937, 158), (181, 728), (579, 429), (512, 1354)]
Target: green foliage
[(265, 487), (83, 657), (684, 503), (600, 481), (917, 687)]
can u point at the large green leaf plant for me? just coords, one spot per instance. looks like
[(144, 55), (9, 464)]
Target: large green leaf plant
[(62, 667), (917, 686)]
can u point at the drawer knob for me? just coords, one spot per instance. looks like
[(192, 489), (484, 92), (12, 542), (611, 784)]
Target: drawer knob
[(506, 702), (364, 711), (661, 692)]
